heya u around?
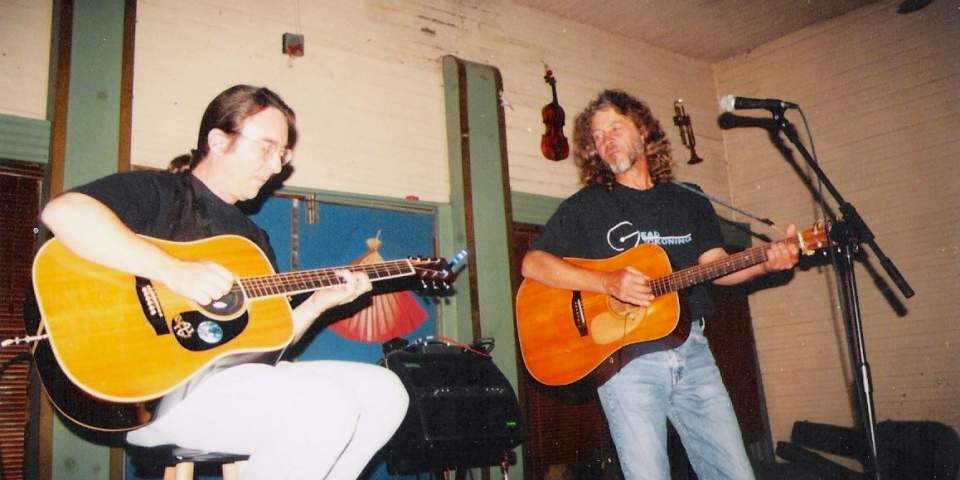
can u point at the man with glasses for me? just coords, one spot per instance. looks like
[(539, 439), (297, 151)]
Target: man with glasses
[(318, 419)]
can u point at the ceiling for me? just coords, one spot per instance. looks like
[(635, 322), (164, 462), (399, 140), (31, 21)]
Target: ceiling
[(709, 30)]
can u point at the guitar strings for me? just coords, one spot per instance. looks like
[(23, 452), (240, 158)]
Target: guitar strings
[(738, 261), (320, 278), (694, 275), (306, 280)]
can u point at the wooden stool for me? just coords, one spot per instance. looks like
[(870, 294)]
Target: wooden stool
[(180, 461)]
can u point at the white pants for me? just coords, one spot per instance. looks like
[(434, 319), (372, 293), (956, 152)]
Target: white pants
[(301, 420)]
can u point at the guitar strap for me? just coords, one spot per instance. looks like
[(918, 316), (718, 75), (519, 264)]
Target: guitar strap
[(765, 220), (187, 218)]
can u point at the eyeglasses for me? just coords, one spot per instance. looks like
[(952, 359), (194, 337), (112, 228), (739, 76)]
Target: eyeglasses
[(269, 149)]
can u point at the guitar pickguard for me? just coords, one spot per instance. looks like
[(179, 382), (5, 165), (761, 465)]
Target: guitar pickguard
[(193, 329), (616, 324), (197, 332)]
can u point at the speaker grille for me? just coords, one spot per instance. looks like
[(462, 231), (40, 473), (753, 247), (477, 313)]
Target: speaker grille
[(463, 412)]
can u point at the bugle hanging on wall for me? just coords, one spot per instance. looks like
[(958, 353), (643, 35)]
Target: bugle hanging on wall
[(682, 120)]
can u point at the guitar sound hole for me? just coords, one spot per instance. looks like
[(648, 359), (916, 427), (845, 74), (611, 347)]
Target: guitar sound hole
[(226, 305)]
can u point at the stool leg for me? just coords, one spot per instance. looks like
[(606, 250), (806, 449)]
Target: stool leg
[(185, 471), (231, 471), (170, 473)]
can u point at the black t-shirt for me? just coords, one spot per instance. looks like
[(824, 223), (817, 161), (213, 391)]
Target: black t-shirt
[(172, 206), (596, 223)]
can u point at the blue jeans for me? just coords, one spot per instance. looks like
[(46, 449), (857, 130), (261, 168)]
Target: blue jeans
[(684, 386)]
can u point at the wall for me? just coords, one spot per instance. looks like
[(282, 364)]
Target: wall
[(880, 93), (24, 56), (368, 91)]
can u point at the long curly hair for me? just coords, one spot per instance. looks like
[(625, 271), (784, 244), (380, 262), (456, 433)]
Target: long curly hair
[(593, 170)]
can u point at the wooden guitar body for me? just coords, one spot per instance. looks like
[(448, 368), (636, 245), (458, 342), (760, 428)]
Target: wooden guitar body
[(560, 346), (566, 336), (102, 334)]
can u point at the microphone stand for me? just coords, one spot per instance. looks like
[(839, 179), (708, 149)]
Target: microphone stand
[(848, 233)]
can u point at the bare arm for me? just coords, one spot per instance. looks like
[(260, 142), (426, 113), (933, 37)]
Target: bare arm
[(779, 257), (92, 231), (628, 285)]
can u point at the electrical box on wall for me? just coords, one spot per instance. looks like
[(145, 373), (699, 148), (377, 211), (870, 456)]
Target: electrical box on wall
[(293, 44)]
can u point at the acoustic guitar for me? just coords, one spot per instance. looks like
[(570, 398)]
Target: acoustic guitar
[(116, 343), (566, 336)]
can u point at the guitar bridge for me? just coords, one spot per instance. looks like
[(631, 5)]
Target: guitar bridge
[(150, 306), (579, 317)]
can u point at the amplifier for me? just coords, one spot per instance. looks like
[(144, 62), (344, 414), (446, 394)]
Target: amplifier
[(463, 412)]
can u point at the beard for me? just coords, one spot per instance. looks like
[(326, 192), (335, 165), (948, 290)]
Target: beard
[(622, 164)]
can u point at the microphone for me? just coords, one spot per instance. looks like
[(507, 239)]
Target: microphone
[(730, 103), (682, 120)]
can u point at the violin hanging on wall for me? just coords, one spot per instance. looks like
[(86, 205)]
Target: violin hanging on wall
[(553, 144)]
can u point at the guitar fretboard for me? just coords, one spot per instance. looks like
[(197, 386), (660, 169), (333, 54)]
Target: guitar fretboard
[(290, 283), (689, 277)]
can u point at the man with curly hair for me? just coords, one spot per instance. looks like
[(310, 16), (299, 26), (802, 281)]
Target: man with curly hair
[(625, 162)]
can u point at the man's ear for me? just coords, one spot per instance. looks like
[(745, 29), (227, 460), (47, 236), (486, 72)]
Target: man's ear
[(218, 141)]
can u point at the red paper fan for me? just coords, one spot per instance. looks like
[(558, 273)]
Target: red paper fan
[(389, 315)]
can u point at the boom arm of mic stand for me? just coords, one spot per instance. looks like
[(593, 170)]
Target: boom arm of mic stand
[(858, 227), (865, 235)]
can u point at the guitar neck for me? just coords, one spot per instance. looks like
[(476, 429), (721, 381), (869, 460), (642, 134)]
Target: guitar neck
[(689, 277), (290, 283)]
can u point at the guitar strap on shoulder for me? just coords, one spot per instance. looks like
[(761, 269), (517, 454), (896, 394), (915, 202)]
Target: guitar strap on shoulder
[(765, 221)]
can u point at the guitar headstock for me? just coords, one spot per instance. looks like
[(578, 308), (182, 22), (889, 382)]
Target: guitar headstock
[(435, 274), (814, 238)]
